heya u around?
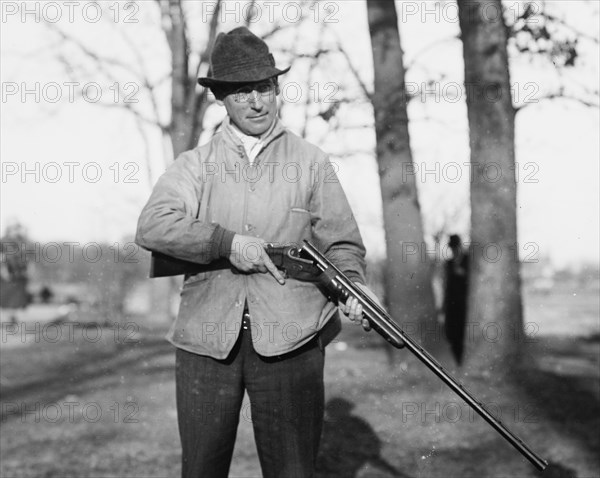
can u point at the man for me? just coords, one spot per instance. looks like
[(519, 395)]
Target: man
[(245, 327)]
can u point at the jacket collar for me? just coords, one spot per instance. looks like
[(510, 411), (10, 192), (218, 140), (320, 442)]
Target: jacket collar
[(233, 139)]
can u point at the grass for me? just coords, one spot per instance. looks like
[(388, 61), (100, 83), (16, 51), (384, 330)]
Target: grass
[(92, 406)]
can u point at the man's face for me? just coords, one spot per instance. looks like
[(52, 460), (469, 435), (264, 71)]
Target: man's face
[(253, 107)]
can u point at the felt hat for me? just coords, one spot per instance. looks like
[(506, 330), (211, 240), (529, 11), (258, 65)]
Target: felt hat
[(240, 57)]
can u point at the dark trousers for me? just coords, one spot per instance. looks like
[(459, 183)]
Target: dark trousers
[(286, 403)]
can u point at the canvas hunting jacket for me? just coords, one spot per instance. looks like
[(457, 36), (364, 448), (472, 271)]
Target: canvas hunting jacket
[(289, 193)]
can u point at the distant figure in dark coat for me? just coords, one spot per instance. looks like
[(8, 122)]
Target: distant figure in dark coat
[(13, 286), (455, 297), (46, 295)]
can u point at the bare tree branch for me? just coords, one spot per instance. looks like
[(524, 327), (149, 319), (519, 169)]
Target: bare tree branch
[(102, 64), (313, 63), (144, 72), (100, 60), (200, 102), (562, 22), (316, 54), (134, 112), (212, 34), (248, 17), (428, 47), (271, 32), (179, 47), (354, 71), (559, 95), (140, 127)]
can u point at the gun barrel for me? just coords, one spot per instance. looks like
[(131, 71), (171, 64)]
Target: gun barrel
[(382, 322)]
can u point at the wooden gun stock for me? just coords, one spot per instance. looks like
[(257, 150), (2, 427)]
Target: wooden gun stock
[(162, 265), (342, 287)]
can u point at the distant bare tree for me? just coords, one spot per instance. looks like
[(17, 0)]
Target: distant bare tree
[(408, 286), (495, 304)]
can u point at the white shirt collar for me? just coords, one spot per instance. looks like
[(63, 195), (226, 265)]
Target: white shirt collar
[(252, 144)]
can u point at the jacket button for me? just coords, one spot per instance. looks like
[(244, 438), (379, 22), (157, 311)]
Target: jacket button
[(252, 188)]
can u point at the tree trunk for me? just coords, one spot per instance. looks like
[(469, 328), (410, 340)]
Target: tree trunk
[(408, 288), (188, 107), (495, 316)]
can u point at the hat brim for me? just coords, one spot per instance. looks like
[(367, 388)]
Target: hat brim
[(248, 76)]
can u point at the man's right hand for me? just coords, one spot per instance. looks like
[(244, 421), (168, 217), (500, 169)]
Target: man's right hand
[(248, 254)]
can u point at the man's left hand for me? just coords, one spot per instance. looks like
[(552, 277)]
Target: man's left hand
[(353, 310)]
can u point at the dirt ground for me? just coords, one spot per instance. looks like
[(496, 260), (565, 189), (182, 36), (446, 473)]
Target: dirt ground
[(100, 402)]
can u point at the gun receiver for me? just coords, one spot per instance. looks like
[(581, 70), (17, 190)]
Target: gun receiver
[(342, 287)]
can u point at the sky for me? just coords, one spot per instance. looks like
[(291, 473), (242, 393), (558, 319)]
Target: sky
[(76, 171)]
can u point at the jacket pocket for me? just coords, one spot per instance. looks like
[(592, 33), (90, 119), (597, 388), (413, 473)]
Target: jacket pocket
[(299, 226), (300, 209)]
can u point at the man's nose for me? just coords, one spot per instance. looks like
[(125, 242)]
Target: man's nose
[(255, 99)]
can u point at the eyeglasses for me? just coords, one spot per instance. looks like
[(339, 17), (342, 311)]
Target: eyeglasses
[(243, 94)]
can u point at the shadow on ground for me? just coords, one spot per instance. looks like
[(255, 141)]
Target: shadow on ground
[(349, 444), (566, 393), (562, 388)]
